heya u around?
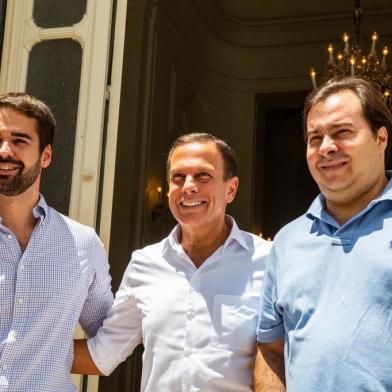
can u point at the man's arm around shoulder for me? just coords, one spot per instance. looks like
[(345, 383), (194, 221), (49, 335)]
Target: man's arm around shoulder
[(82, 362), (269, 367)]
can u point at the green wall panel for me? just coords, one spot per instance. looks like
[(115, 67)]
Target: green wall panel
[(54, 76), (58, 13)]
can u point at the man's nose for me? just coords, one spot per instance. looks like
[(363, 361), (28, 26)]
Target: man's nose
[(327, 146), (189, 184), (5, 149)]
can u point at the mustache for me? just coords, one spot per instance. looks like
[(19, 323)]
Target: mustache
[(332, 157), (11, 160)]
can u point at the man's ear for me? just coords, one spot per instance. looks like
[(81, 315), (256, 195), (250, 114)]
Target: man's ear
[(46, 156), (232, 189), (382, 138)]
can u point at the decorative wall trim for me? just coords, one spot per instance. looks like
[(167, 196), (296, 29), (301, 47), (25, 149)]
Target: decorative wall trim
[(93, 34), (280, 31), (112, 126), (172, 98), (211, 7), (210, 77), (194, 97), (14, 59), (35, 34), (95, 28), (147, 114)]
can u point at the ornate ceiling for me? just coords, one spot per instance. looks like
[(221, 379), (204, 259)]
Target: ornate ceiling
[(259, 23), (246, 11), (252, 41)]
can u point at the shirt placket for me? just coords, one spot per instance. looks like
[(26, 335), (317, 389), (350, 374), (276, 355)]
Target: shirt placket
[(18, 299), (188, 383), (188, 346), (20, 314)]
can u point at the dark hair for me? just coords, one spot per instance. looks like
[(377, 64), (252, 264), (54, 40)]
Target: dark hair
[(374, 108), (34, 108), (227, 153)]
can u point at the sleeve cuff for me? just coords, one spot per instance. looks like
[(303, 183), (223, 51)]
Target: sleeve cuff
[(91, 349), (270, 335)]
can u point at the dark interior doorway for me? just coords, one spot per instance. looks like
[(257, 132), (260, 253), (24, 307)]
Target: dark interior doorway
[(3, 4), (283, 186)]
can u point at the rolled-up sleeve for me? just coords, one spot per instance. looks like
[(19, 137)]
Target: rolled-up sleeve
[(99, 297), (270, 325), (121, 332)]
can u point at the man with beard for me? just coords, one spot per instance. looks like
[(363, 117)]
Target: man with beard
[(191, 299), (53, 271), (325, 318)]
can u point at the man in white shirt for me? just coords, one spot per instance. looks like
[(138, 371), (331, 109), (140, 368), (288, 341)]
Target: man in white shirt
[(191, 299)]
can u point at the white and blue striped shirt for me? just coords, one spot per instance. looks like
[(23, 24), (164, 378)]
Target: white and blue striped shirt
[(61, 278)]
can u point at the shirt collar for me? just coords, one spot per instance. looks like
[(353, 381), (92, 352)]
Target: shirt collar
[(172, 240), (235, 235), (40, 211), (386, 194), (317, 208)]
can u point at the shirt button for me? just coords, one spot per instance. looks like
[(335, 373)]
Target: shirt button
[(190, 315), (20, 300), (9, 236), (22, 267), (5, 367)]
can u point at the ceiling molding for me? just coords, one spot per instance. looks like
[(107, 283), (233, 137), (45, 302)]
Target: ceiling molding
[(213, 9), (285, 31), (269, 56)]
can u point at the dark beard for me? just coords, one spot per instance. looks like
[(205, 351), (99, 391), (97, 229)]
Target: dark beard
[(19, 183)]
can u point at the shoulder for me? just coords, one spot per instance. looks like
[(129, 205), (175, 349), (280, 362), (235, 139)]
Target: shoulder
[(74, 226), (146, 262), (255, 243), (298, 227), (149, 256), (152, 249), (67, 229), (291, 239)]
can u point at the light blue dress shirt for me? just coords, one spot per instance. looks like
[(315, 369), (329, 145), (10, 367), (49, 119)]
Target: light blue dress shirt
[(328, 291), (61, 278)]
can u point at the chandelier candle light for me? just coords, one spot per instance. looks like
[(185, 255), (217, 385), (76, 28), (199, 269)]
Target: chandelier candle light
[(352, 61)]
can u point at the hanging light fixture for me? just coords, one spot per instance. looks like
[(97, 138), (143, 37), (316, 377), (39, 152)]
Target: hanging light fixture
[(353, 61)]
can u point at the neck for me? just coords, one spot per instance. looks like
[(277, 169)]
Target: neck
[(342, 212), (199, 244), (17, 214)]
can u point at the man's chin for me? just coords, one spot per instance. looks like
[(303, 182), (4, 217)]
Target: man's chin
[(6, 186), (334, 184), (12, 188), (337, 194), (10, 192)]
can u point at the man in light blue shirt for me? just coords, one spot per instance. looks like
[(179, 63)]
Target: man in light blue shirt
[(325, 320), (53, 271)]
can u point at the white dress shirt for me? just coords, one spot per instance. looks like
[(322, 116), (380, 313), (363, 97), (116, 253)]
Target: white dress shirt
[(198, 325)]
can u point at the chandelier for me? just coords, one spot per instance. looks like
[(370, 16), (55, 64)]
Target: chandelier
[(353, 61)]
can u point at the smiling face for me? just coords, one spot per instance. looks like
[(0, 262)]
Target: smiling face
[(198, 193), (344, 157), (20, 160)]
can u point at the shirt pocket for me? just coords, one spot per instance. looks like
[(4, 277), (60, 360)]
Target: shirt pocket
[(235, 321)]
